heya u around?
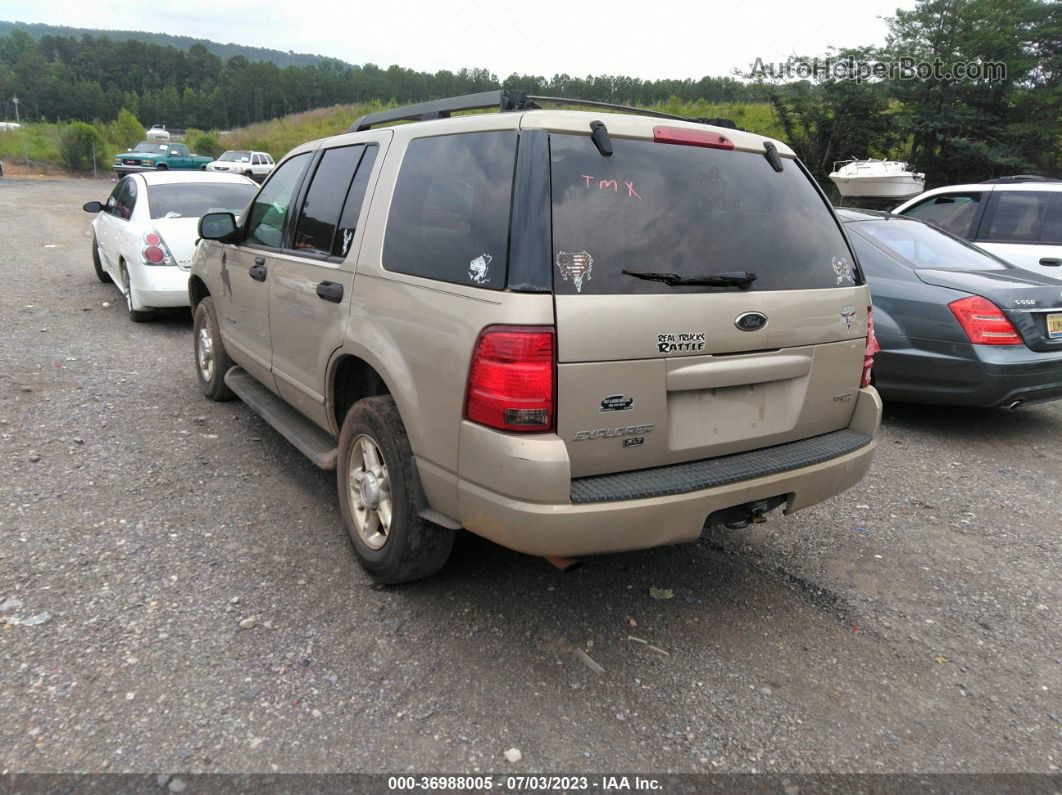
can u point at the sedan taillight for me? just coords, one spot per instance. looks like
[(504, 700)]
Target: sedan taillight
[(984, 322), (155, 251), (871, 349)]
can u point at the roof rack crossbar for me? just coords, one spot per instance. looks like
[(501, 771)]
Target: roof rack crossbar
[(441, 108), (504, 100)]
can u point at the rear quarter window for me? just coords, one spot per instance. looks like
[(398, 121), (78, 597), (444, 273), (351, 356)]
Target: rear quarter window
[(449, 217), (690, 211), (1017, 217)]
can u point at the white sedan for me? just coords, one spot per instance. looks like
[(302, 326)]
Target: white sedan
[(144, 235), (255, 165)]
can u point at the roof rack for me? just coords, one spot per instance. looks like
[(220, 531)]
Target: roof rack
[(505, 101), (1019, 178)]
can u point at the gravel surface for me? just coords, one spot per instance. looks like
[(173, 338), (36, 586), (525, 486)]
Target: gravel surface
[(177, 592)]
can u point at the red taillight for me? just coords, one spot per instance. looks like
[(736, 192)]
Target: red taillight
[(984, 322), (155, 251), (510, 381), (871, 349), (686, 137)]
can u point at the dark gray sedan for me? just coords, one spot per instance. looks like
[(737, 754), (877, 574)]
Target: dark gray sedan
[(956, 325)]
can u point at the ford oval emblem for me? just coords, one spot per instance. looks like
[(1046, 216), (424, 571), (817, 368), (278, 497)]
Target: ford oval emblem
[(751, 321)]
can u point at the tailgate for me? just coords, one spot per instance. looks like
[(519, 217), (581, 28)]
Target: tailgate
[(624, 403)]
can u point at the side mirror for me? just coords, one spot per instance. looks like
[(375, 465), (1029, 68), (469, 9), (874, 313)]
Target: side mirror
[(92, 207), (218, 226)]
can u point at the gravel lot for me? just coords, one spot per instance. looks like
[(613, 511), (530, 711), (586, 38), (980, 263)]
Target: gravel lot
[(910, 624)]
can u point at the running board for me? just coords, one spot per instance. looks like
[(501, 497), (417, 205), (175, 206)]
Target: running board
[(310, 440)]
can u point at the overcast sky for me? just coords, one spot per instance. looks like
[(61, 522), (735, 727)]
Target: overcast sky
[(644, 39)]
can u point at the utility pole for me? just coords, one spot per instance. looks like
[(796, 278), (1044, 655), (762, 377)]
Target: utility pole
[(25, 150)]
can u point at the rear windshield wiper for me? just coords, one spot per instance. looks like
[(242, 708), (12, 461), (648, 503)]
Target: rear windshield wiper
[(742, 279)]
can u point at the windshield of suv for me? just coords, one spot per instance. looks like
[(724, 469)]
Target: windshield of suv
[(194, 199), (236, 157), (150, 148), (924, 246), (688, 211)]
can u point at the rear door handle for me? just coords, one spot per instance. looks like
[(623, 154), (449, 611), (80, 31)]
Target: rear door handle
[(1051, 261), (330, 291), (257, 271)]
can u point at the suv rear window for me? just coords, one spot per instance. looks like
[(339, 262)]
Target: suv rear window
[(690, 211), (449, 217)]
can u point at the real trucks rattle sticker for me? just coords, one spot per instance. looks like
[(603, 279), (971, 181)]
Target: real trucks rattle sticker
[(681, 342), (575, 267), (479, 269)]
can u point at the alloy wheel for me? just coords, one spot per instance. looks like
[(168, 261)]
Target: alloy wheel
[(204, 354), (369, 487)]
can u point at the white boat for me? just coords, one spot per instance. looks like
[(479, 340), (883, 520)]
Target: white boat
[(887, 179), (158, 133)]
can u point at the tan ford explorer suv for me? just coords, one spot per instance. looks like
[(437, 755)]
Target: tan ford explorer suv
[(568, 332)]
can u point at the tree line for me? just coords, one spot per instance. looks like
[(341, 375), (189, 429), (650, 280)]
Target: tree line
[(954, 130), (66, 78)]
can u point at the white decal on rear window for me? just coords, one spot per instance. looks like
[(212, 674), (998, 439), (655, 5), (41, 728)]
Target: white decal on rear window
[(843, 268), (576, 267), (477, 269)]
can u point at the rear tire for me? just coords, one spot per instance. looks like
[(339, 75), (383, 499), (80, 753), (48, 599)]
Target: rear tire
[(377, 497), (136, 315), (211, 360), (101, 274)]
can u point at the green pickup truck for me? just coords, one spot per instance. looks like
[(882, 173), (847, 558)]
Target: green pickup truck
[(158, 156)]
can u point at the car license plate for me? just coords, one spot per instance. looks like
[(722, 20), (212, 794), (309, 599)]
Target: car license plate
[(1054, 326)]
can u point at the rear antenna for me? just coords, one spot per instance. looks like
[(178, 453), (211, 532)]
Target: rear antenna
[(600, 137), (770, 151)]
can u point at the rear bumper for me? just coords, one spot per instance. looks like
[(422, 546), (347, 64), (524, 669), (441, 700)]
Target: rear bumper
[(968, 375), (557, 525), (159, 286)]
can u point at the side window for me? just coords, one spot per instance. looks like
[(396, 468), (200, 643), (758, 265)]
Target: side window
[(124, 198), (265, 222), (256, 160), (269, 159), (954, 212), (112, 200), (449, 216), (348, 220), (316, 229), (1052, 232), (130, 199), (1017, 217)]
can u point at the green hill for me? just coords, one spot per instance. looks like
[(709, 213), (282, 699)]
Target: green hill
[(223, 51)]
